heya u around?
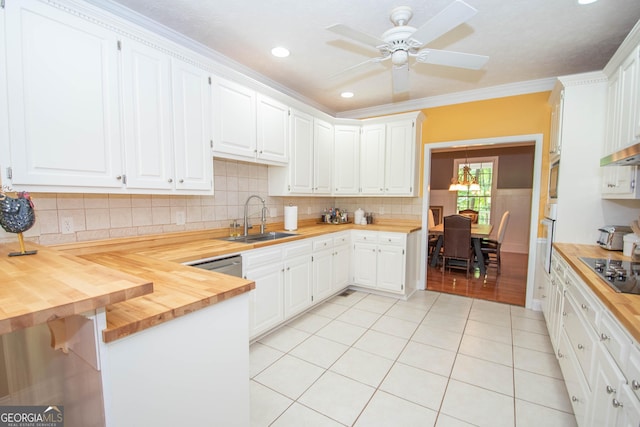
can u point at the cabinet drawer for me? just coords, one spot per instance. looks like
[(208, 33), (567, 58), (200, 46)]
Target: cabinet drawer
[(340, 239), (365, 237), (396, 239), (586, 303), (322, 243), (582, 337), (260, 257), (615, 339), (297, 249)]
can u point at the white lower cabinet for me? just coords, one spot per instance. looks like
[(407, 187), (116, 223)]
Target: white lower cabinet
[(600, 361), (292, 277), (266, 301), (382, 261), (297, 277)]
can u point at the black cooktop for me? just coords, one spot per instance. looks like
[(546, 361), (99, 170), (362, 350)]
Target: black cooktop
[(621, 276)]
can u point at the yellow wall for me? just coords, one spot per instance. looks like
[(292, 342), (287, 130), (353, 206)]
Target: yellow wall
[(513, 115)]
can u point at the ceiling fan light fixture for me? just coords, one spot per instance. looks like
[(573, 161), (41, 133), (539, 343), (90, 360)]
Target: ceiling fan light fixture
[(347, 94), (280, 52)]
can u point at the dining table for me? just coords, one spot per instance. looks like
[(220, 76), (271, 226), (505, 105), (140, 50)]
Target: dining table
[(478, 232)]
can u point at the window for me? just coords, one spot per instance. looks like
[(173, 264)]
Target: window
[(483, 169)]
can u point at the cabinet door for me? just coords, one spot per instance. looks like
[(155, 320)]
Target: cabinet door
[(234, 117), (192, 129), (400, 158), (607, 383), (272, 130), (365, 259), (297, 285), (341, 263), (372, 148), (322, 157), (62, 75), (555, 136), (391, 262), (322, 274), (629, 408), (266, 307), (301, 165), (146, 80), (635, 93), (346, 160), (629, 99)]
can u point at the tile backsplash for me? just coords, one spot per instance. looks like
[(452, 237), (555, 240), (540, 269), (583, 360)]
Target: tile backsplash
[(65, 217)]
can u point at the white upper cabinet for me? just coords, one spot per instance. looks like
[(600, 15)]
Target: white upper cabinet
[(234, 112), (273, 130), (389, 158), (146, 100), (311, 158), (346, 160), (301, 166), (192, 127), (401, 158), (62, 76), (322, 157), (629, 99), (248, 126), (372, 151)]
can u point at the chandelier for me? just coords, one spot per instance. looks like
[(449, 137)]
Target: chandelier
[(468, 183)]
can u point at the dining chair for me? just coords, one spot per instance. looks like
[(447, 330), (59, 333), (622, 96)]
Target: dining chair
[(491, 248), (457, 243), (432, 238), (471, 214)]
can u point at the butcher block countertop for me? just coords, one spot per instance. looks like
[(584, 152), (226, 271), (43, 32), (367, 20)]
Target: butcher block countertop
[(179, 289), (51, 284), (625, 307)]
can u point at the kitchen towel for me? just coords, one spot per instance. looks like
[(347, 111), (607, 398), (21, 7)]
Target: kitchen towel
[(290, 218)]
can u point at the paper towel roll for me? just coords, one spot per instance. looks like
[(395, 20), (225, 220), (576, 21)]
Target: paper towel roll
[(290, 218)]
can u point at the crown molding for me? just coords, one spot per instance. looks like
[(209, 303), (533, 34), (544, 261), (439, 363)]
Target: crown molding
[(511, 89)]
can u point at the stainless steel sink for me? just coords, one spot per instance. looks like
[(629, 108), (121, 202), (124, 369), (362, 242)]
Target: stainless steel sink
[(263, 237)]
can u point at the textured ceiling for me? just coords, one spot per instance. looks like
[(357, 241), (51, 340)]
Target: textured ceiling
[(525, 40)]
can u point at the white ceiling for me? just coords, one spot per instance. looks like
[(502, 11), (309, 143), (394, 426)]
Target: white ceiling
[(525, 40)]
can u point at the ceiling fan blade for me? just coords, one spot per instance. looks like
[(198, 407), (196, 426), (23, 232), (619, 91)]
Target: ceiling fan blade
[(356, 35), (400, 74), (450, 17), (353, 67), (452, 59)]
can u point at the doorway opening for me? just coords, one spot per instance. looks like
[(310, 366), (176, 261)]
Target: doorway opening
[(528, 262)]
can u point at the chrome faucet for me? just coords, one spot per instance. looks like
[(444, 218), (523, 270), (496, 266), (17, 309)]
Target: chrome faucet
[(263, 218)]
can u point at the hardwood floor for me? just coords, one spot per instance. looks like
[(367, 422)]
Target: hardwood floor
[(509, 287)]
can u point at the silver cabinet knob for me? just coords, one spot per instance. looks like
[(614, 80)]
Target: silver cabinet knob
[(610, 390), (616, 403), (170, 180), (585, 307), (580, 347), (635, 385), (181, 181), (574, 399), (119, 177), (603, 337)]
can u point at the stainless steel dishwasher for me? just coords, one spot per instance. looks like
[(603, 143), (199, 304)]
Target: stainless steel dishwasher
[(231, 265)]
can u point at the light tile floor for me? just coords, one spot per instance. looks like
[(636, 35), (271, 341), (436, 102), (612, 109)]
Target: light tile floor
[(434, 360)]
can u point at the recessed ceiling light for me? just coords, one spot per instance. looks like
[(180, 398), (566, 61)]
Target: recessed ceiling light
[(586, 1), (347, 94), (280, 52)]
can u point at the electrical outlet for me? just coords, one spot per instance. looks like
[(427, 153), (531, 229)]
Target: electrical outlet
[(381, 210), (273, 212), (308, 210), (180, 218), (66, 225)]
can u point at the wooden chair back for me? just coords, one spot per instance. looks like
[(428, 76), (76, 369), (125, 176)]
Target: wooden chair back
[(471, 214), (457, 236)]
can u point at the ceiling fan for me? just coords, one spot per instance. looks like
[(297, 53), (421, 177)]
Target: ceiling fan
[(402, 42)]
